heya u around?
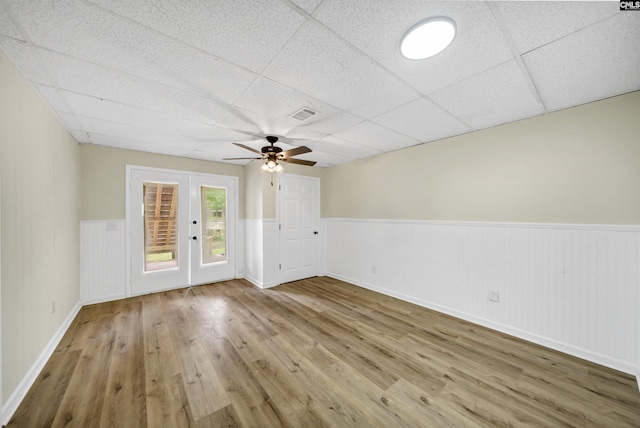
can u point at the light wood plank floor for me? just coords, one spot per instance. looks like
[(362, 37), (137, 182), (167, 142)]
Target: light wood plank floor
[(317, 352)]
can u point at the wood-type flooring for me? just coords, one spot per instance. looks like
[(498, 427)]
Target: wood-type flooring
[(312, 353)]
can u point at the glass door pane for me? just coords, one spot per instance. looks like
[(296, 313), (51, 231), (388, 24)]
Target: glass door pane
[(160, 226), (213, 203)]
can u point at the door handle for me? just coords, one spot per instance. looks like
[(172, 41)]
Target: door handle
[(315, 232), (195, 238)]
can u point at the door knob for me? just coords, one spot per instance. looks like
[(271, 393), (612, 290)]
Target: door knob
[(315, 232), (195, 238)]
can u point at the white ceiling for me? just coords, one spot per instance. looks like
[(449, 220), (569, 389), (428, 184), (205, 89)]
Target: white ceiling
[(189, 77)]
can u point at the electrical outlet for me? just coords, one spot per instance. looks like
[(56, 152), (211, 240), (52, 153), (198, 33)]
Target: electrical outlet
[(494, 295), (373, 269)]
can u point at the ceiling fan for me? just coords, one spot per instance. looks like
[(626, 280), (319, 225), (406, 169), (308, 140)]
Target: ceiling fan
[(274, 154)]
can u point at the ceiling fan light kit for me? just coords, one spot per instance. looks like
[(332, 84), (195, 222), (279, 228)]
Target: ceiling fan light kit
[(428, 38), (272, 165)]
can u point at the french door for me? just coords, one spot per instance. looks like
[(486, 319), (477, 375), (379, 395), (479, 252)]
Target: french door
[(182, 229)]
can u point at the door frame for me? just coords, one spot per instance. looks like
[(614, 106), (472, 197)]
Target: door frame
[(318, 225), (128, 191)]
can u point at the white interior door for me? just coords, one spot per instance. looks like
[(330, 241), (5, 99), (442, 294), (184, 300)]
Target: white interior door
[(182, 229), (299, 211)]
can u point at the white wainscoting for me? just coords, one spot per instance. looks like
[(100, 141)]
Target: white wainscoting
[(260, 247), (271, 253), (240, 245), (102, 261), (573, 288), (253, 251)]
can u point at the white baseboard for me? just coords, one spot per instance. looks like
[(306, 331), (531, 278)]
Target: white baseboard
[(253, 281), (104, 299), (260, 284), (539, 340), (12, 403)]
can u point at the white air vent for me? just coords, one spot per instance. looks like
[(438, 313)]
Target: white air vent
[(303, 114)]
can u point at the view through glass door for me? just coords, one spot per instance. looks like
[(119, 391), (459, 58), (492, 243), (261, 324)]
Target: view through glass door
[(182, 229), (160, 225)]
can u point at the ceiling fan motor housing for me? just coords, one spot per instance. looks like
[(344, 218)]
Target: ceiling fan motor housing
[(271, 150)]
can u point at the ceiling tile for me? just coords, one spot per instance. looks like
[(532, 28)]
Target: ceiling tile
[(335, 123), (248, 33), (344, 149), (124, 143), (496, 96), (79, 76), (222, 137), (140, 134), (375, 136), (7, 26), (307, 5), (244, 121), (536, 23), (70, 121), (215, 157), (324, 158), (273, 103), (53, 98), (80, 136), (268, 105), (269, 98), (597, 62), (87, 32), (26, 60), (220, 145), (422, 120), (120, 113), (377, 26), (301, 135), (355, 83), (252, 123)]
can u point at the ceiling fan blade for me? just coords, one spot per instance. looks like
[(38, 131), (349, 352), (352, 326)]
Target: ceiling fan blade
[(299, 161), (239, 158), (248, 148), (297, 151)]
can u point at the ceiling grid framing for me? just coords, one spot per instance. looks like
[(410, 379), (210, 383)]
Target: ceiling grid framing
[(190, 79)]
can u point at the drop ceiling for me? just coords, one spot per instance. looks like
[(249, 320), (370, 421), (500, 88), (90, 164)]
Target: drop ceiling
[(189, 78)]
